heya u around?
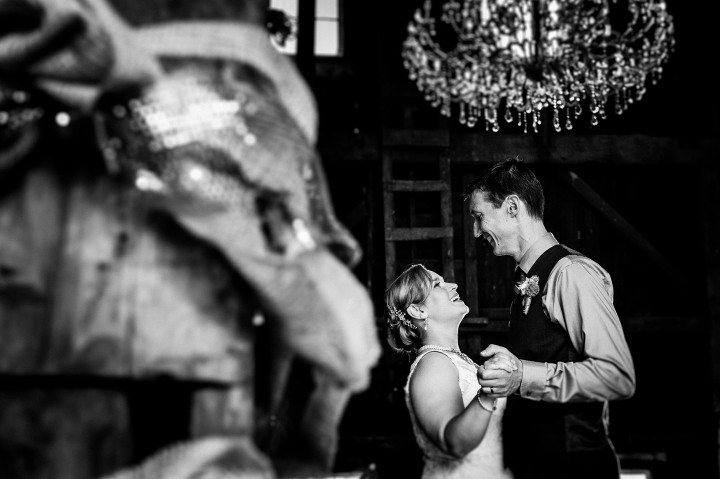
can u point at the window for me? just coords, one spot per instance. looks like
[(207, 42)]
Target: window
[(327, 26)]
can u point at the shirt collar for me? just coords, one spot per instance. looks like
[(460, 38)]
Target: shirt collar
[(542, 244)]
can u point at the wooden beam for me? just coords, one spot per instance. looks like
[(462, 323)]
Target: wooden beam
[(631, 325), (439, 138), (418, 185), (488, 148), (417, 234), (586, 149), (617, 220), (342, 146)]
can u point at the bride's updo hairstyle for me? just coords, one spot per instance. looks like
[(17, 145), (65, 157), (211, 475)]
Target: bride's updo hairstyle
[(413, 286)]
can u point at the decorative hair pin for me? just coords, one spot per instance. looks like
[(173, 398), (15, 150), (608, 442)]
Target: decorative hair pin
[(400, 316)]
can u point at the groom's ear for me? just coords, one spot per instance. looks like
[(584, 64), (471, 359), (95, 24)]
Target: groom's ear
[(512, 205), (417, 311)]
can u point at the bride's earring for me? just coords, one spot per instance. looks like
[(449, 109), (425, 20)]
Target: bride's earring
[(425, 324)]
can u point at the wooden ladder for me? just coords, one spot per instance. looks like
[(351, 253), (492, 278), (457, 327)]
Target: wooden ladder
[(398, 145)]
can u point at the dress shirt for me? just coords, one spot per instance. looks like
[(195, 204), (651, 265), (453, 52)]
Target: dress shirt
[(579, 297)]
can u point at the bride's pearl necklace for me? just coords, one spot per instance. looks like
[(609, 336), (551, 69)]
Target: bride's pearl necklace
[(433, 347)]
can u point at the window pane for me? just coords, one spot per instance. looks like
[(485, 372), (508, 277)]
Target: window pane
[(326, 9), (327, 26), (326, 37)]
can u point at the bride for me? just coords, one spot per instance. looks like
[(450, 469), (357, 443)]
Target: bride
[(456, 426)]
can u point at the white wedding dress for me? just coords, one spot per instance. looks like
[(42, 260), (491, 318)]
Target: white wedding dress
[(483, 462)]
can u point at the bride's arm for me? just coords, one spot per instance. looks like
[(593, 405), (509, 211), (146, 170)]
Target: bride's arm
[(438, 405)]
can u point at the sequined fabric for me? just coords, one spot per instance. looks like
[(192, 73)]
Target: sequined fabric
[(20, 115), (214, 135)]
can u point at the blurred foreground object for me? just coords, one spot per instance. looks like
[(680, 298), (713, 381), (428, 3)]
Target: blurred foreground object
[(165, 214)]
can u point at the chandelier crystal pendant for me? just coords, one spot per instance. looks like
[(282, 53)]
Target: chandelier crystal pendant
[(528, 55)]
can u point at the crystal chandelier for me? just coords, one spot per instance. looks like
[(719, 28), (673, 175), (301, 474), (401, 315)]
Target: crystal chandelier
[(528, 55)]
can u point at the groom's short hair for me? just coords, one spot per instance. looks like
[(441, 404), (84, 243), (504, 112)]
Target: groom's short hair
[(508, 177)]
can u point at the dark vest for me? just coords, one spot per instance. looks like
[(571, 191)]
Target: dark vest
[(537, 426)]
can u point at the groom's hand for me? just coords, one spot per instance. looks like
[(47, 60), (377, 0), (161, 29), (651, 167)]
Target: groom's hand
[(499, 355), (495, 377)]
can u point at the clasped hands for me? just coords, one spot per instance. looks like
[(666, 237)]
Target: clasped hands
[(501, 374)]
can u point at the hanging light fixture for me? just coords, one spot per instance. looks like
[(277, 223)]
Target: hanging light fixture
[(529, 55)]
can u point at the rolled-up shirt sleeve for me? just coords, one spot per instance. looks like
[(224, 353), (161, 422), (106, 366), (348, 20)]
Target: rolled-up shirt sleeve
[(579, 297)]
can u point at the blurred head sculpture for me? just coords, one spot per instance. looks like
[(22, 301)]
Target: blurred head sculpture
[(205, 121)]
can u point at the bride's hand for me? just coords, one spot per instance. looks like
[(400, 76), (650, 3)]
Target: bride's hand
[(498, 381), (500, 361)]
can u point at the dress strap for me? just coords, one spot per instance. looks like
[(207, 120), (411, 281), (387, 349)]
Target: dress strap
[(424, 353)]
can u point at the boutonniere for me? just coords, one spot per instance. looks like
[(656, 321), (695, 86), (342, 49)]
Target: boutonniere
[(529, 288)]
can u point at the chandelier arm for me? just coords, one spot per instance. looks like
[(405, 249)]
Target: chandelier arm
[(642, 33), (434, 47), (580, 24), (632, 24), (451, 20)]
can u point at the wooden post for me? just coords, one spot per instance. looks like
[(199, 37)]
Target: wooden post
[(389, 215), (306, 40), (471, 271), (446, 220), (711, 223)]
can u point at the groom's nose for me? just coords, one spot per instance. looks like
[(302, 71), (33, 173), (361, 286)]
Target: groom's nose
[(477, 232)]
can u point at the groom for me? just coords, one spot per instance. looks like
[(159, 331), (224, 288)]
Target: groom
[(565, 337)]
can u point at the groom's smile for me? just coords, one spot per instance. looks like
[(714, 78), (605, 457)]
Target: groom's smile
[(487, 221)]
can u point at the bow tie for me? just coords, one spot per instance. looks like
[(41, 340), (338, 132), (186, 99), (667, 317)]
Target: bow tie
[(519, 278)]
